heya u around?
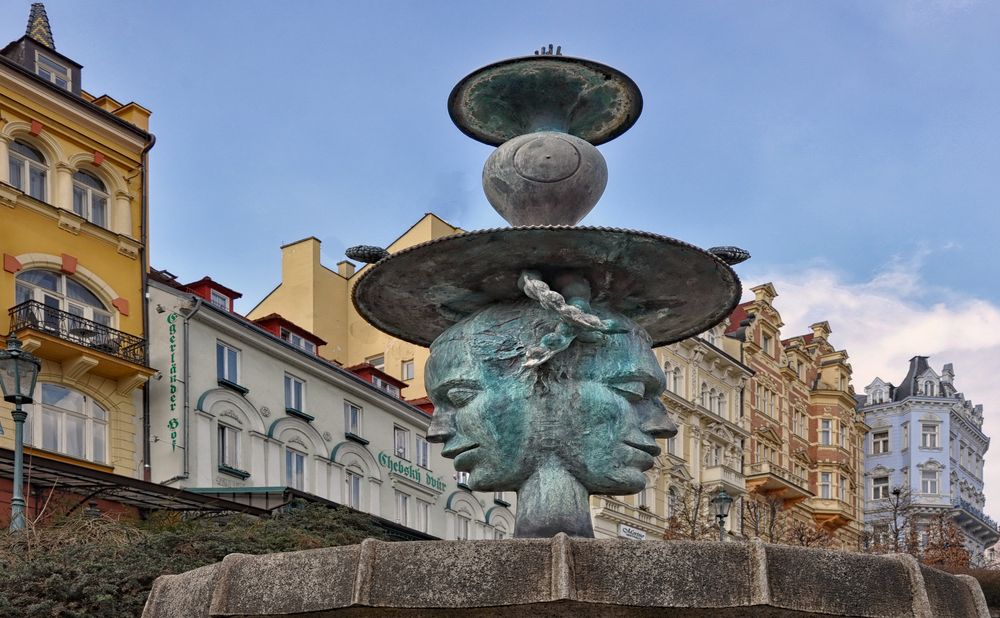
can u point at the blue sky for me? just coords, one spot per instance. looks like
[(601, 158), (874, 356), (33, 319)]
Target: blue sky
[(853, 143)]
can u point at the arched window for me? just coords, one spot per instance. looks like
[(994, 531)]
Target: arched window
[(463, 524), (90, 198), (60, 292), (669, 373), (704, 395), (713, 400), (929, 388), (28, 170), (500, 531), (678, 382), (66, 421), (720, 404), (295, 469)]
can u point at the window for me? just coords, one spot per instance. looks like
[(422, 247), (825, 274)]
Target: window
[(671, 502), (880, 488), (928, 435), (401, 442), (824, 485), (28, 171), (463, 479), (352, 418), (353, 482), (70, 423), (929, 482), (90, 198), (880, 442), (500, 531), (229, 446), (55, 72), (906, 436), (220, 300), (227, 362), (59, 292), (824, 431), (463, 521), (704, 395), (423, 452), (377, 362), (294, 393), (297, 341), (407, 370), (295, 469), (772, 401), (842, 432), (672, 445), (402, 508), (720, 405), (392, 389), (765, 343), (929, 388), (843, 488), (422, 516)]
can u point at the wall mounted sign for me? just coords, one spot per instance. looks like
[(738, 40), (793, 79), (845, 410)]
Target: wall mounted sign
[(411, 471)]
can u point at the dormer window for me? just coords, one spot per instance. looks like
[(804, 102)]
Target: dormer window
[(218, 299), (298, 341), (55, 72), (765, 344), (392, 389), (929, 388)]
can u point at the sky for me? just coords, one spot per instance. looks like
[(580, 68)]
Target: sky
[(850, 146)]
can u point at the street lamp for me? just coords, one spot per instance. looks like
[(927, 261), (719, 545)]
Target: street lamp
[(18, 373), (721, 503)]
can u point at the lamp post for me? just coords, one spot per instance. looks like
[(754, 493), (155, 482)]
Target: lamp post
[(721, 503), (18, 373)]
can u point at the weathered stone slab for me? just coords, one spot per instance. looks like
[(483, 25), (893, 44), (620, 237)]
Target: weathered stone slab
[(567, 578)]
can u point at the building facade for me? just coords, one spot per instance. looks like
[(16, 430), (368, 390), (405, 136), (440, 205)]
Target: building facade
[(805, 454), (927, 444), (251, 411), (73, 170), (704, 398)]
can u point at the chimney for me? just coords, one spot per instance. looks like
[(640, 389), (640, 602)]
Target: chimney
[(345, 269), (765, 293), (821, 330)]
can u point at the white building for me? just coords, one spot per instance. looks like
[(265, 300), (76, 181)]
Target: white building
[(250, 412)]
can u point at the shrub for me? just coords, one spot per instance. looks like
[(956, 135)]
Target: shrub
[(104, 568)]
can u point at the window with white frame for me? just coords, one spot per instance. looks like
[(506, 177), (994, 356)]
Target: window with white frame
[(463, 522), (401, 442), (423, 452), (60, 292), (704, 395), (929, 388), (229, 446), (90, 198), (352, 418), (295, 390), (218, 299), (842, 433), (500, 531), (295, 469), (824, 485), (379, 383), (929, 482), (928, 435), (52, 70), (227, 362), (402, 508), (720, 405), (297, 340), (406, 370), (423, 516), (28, 170), (880, 488), (377, 361), (880, 442), (672, 445), (825, 429), (906, 436), (353, 490), (68, 422), (772, 402)]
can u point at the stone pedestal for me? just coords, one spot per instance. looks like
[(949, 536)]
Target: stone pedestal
[(566, 577)]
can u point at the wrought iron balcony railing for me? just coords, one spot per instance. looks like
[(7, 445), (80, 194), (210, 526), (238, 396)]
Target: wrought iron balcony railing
[(975, 510), (64, 325)]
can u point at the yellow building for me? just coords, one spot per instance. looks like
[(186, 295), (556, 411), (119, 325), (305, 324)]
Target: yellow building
[(318, 299), (73, 176)]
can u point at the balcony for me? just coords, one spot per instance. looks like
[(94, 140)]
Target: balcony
[(976, 523), (767, 477), (728, 478), (832, 513), (81, 345), (613, 509)]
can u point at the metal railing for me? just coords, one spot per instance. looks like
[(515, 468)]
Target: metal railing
[(973, 509), (94, 335), (766, 467)]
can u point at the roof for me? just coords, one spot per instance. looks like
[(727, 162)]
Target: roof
[(38, 26), (908, 387), (737, 316), (209, 282), (292, 326), (90, 483)]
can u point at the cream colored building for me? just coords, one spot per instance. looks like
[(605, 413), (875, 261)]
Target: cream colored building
[(704, 398)]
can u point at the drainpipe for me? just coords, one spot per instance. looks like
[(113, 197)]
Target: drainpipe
[(144, 264), (185, 338)]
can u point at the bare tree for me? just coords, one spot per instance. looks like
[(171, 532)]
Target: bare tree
[(763, 516), (691, 516), (892, 529)]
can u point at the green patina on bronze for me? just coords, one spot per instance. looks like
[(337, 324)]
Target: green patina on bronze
[(545, 93)]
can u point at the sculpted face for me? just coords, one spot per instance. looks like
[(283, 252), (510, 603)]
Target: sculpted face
[(594, 408)]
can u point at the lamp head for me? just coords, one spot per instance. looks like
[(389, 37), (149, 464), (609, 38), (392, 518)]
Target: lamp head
[(721, 503), (18, 372)]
